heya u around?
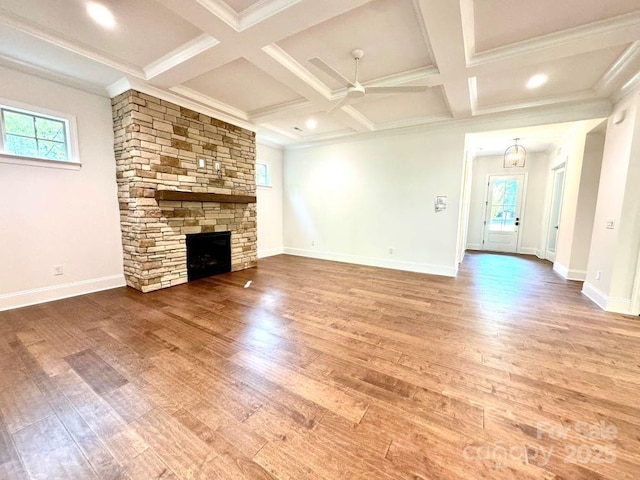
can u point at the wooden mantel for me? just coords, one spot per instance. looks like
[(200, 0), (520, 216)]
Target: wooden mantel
[(177, 196)]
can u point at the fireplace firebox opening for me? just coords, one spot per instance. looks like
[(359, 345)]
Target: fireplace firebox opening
[(208, 254)]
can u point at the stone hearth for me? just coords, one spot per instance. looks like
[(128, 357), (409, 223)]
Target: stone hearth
[(157, 146)]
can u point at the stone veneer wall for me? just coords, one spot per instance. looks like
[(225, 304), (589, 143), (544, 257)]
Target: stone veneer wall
[(157, 145)]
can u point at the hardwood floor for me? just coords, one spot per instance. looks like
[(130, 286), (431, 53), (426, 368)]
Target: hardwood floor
[(323, 370)]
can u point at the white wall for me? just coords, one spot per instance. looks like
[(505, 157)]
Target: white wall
[(537, 170), (60, 217), (353, 201), (270, 231), (586, 205), (613, 257)]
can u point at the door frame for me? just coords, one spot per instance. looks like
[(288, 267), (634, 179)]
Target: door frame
[(522, 207), (554, 170)]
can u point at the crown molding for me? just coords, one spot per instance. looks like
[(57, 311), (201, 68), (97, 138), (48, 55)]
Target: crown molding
[(603, 27), (629, 89), (180, 55), (413, 122), (58, 40), (541, 102), (261, 11), (73, 82), (210, 102), (274, 110), (282, 131), (614, 75), (126, 84), (223, 11)]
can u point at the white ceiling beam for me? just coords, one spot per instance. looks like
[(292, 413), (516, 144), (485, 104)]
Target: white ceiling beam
[(443, 23), (234, 43), (180, 55)]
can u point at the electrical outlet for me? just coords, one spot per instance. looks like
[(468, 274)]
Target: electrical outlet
[(390, 250), (611, 223), (57, 270), (313, 243), (217, 166), (598, 275)]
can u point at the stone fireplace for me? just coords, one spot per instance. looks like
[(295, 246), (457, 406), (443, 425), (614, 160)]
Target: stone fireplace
[(179, 173)]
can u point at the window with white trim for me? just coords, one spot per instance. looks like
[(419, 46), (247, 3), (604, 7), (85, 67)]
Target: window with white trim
[(263, 176), (33, 134)]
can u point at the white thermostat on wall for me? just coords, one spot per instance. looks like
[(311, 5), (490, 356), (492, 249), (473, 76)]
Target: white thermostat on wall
[(440, 203)]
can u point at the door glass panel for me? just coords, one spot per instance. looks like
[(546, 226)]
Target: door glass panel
[(504, 194)]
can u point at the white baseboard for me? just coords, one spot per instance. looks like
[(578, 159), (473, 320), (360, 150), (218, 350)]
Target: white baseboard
[(609, 304), (447, 271), (577, 275), (527, 251), (270, 252), (34, 296), (474, 246), (540, 254)]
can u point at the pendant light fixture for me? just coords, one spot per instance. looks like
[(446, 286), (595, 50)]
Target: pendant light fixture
[(515, 155)]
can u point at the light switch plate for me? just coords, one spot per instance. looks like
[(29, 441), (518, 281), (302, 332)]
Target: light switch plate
[(202, 163)]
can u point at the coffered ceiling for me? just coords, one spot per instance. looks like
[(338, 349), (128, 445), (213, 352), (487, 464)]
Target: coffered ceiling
[(248, 62)]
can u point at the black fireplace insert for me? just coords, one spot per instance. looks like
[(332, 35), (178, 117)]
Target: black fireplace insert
[(208, 254)]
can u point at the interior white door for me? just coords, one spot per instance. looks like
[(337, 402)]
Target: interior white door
[(502, 216), (554, 216)]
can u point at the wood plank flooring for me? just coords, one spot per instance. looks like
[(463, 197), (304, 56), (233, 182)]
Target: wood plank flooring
[(324, 370)]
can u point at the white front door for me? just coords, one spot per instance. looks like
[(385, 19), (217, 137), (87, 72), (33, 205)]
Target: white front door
[(502, 215)]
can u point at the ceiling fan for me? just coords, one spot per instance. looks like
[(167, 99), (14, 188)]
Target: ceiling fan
[(355, 89)]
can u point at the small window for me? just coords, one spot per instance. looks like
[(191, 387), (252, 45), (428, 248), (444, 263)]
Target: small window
[(263, 179), (36, 136)]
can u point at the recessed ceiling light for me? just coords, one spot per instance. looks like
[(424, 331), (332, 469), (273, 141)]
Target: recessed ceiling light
[(312, 123), (537, 80), (101, 15)]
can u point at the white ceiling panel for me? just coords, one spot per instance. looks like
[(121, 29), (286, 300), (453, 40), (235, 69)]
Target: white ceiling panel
[(566, 76), (387, 30), (144, 31), (394, 108), (501, 22), (242, 85)]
